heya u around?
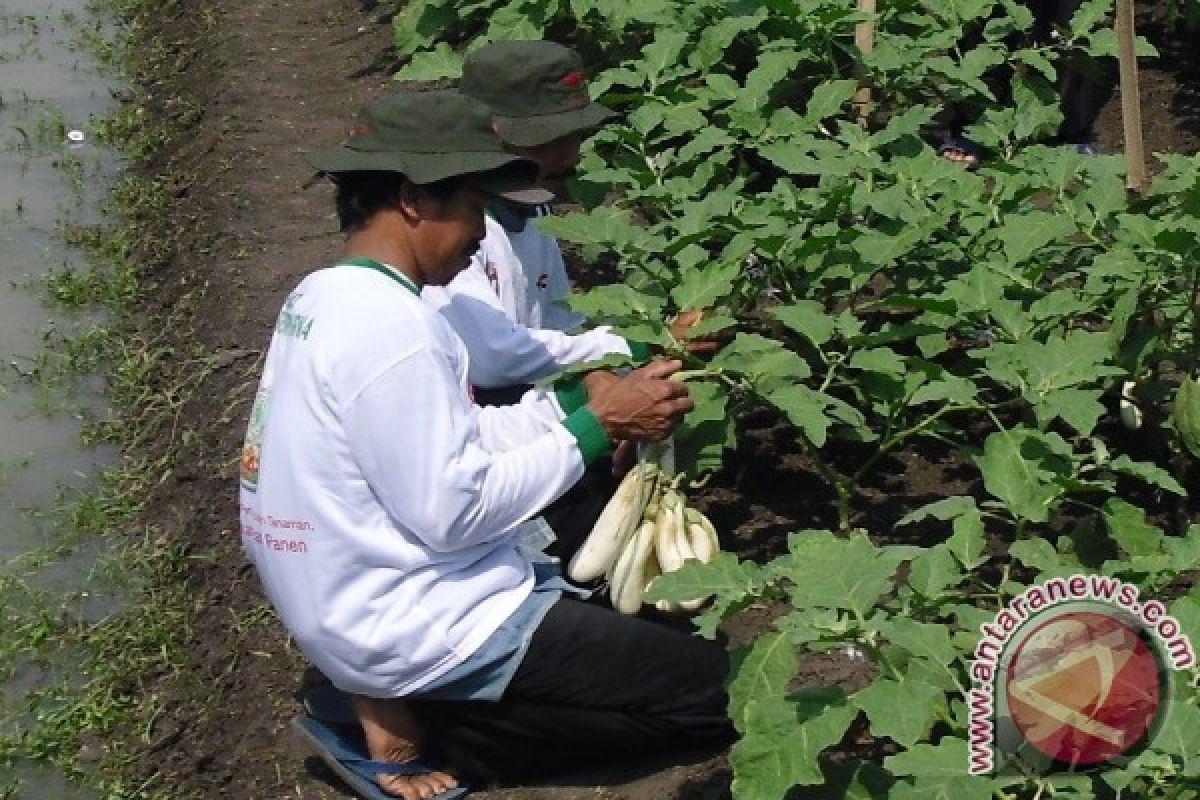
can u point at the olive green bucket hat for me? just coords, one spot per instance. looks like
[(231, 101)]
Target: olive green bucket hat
[(430, 136), (536, 91)]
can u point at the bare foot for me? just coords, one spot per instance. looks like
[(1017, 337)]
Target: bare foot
[(394, 736)]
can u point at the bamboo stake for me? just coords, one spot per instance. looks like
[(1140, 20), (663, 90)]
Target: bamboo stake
[(1131, 106), (864, 39)]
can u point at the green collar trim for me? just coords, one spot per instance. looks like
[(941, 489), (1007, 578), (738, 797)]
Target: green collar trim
[(391, 272)]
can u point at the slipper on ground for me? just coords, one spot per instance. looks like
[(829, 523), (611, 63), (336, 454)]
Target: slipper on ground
[(330, 705), (347, 756)]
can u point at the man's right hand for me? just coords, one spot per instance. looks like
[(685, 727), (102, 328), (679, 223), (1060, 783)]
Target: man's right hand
[(644, 405)]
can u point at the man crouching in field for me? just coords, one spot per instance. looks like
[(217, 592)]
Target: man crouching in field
[(402, 578)]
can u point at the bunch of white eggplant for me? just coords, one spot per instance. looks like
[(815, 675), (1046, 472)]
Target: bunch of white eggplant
[(645, 530)]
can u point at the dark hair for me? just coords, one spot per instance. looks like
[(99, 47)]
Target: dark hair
[(360, 195)]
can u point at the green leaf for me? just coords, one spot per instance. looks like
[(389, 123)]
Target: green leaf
[(664, 52), (945, 509), (773, 66), (1186, 610), (934, 571), (902, 710), (617, 301), (1180, 734), (703, 288), (732, 581), (1186, 414), (945, 787), (968, 542), (441, 62), (764, 362), (881, 249), (829, 572), (1022, 235), (881, 360), (1079, 408), (805, 409), (762, 670), (783, 743), (606, 226), (947, 759), (924, 640), (828, 99), (1039, 554), (1127, 524), (1025, 488), (807, 318), (705, 431), (1150, 473)]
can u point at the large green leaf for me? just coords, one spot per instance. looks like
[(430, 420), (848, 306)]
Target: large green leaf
[(1147, 471), (934, 571), (762, 670), (1024, 234), (1020, 482), (807, 318), (783, 743), (902, 710), (704, 287), (1186, 414), (830, 572), (607, 226), (937, 773), (924, 640), (441, 62), (764, 362), (828, 98), (806, 409), (1127, 524)]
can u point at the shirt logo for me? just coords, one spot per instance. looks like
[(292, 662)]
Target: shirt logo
[(543, 281), (493, 277)]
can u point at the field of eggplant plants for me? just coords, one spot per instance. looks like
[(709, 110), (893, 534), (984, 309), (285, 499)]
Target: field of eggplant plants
[(942, 385)]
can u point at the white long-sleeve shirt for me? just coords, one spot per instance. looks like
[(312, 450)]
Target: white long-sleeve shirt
[(378, 503), (507, 307)]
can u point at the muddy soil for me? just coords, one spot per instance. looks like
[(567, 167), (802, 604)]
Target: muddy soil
[(279, 78)]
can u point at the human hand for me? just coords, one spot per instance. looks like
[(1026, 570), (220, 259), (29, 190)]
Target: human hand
[(644, 405), (594, 382), (703, 346)]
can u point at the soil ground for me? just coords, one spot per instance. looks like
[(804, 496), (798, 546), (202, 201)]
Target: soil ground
[(281, 77)]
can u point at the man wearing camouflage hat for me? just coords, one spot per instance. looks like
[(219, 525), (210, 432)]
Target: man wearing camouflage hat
[(384, 510)]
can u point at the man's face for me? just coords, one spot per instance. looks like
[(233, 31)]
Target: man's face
[(556, 160), (449, 233)]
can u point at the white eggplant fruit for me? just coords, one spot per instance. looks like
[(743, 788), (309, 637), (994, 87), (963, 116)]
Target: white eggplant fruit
[(628, 584), (613, 528), (1131, 414), (665, 548)]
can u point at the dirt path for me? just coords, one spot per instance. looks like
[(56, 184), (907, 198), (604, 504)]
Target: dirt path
[(285, 76)]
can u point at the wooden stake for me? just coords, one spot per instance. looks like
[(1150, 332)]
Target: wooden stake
[(1131, 106), (864, 39)]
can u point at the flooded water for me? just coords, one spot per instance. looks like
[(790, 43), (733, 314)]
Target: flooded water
[(51, 175)]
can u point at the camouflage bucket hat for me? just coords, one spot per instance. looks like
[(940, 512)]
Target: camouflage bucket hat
[(536, 91), (431, 136)]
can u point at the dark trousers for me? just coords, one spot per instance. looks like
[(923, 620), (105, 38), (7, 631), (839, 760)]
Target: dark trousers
[(595, 686)]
